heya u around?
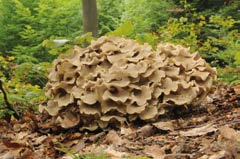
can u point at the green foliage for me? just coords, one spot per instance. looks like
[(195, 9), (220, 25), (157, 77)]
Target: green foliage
[(26, 25), (213, 35), (124, 30), (109, 15), (54, 48), (35, 74), (215, 38), (13, 17), (24, 59), (83, 40), (64, 46), (223, 8), (21, 95), (5, 66), (3, 110), (229, 74), (144, 15), (59, 18), (150, 38)]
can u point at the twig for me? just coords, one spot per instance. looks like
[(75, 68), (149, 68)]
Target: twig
[(9, 106)]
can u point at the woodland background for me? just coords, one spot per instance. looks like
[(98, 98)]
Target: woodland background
[(34, 33)]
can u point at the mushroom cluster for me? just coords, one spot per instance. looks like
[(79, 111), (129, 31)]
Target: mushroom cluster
[(115, 80)]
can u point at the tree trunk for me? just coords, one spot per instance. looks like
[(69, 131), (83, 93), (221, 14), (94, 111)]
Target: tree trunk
[(90, 23)]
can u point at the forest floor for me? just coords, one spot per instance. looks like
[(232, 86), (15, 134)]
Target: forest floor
[(210, 131)]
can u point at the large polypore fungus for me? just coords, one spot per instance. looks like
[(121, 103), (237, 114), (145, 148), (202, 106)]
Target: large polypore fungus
[(115, 80)]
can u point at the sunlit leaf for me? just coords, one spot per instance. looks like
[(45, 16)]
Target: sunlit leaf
[(124, 30)]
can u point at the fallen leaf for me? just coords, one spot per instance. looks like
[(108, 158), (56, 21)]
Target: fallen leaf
[(113, 138), (27, 155), (218, 155), (229, 134), (92, 148), (74, 136), (204, 157), (2, 148), (21, 138), (66, 157), (94, 138), (199, 131), (12, 154), (145, 131), (30, 115), (154, 151), (200, 119), (109, 151), (17, 127), (236, 89), (10, 144), (8, 155), (39, 140), (166, 126), (70, 143), (126, 131), (79, 146)]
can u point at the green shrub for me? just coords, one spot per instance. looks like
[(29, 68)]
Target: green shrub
[(229, 74), (21, 94), (215, 37), (26, 25), (145, 15)]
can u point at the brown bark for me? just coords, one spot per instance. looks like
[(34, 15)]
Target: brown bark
[(90, 23)]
